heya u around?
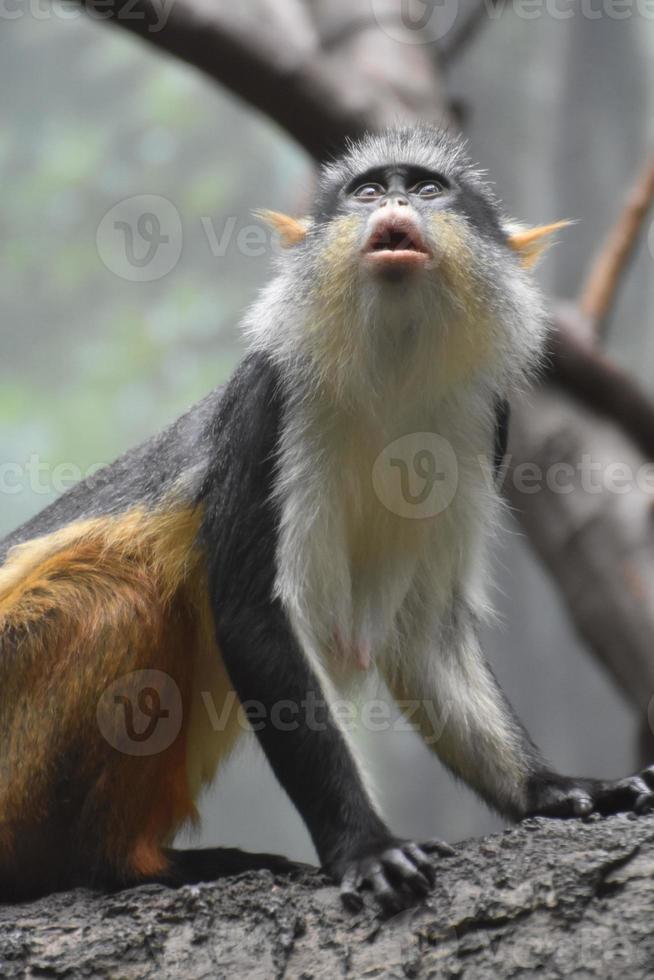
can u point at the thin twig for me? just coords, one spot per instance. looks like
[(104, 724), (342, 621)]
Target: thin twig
[(607, 271)]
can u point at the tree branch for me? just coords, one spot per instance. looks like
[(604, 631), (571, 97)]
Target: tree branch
[(608, 269), (597, 541), (551, 898), (307, 93), (296, 96), (599, 383)]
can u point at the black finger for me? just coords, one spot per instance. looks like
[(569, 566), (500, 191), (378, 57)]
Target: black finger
[(384, 893), (422, 862), (644, 803), (436, 846), (647, 775), (581, 805), (631, 789), (402, 871), (350, 894), (621, 795)]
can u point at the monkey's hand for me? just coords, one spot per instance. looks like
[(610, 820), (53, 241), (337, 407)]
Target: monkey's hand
[(551, 795), (397, 873)]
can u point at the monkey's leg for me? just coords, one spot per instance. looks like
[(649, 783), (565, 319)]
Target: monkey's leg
[(452, 697), (190, 866), (447, 690), (309, 754), (85, 798)]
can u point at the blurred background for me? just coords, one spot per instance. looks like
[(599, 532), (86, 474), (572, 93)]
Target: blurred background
[(560, 109)]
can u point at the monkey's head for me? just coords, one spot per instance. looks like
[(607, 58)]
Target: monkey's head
[(406, 271)]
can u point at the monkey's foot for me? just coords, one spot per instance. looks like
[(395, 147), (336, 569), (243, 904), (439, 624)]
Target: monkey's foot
[(190, 866), (397, 875), (551, 795)]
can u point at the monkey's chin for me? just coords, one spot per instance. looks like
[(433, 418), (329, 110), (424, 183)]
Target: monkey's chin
[(396, 264)]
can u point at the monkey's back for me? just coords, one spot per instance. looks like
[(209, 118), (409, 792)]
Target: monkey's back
[(172, 462)]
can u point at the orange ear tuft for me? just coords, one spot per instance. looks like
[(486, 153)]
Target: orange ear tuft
[(530, 243), (290, 230)]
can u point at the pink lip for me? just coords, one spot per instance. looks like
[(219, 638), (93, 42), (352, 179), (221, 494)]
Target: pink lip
[(396, 243)]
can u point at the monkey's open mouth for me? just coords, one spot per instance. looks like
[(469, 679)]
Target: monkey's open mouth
[(394, 240), (396, 243)]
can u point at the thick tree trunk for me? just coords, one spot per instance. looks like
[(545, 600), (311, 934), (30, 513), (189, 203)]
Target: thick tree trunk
[(551, 899)]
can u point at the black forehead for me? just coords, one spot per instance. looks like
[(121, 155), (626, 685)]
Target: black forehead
[(408, 173)]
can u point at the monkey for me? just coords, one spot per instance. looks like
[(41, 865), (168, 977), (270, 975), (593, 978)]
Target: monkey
[(275, 545)]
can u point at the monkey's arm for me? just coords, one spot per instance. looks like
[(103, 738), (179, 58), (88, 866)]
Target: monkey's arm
[(311, 759), (462, 714), (278, 686)]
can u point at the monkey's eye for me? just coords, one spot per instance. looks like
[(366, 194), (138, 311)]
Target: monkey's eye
[(369, 192), (428, 188)]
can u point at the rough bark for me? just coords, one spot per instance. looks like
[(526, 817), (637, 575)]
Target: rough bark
[(551, 899)]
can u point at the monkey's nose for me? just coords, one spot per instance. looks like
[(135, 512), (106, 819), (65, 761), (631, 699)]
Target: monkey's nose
[(398, 200)]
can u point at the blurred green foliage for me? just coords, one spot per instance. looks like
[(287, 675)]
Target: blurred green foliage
[(91, 363)]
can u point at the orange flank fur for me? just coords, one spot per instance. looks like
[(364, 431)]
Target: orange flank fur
[(530, 243), (80, 609)]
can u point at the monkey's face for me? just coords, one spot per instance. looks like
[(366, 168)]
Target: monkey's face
[(409, 222), (398, 276), (405, 273), (395, 206)]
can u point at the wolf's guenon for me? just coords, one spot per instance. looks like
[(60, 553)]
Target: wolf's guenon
[(276, 542)]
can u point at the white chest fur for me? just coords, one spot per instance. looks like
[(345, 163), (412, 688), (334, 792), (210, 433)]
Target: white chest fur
[(372, 505)]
